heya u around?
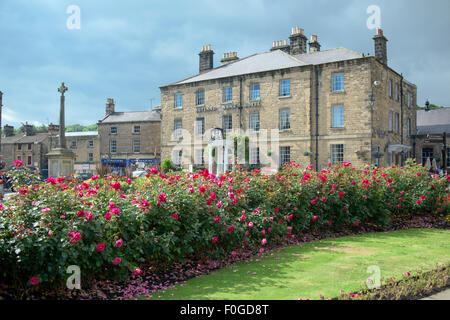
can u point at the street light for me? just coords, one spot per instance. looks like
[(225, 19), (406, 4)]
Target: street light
[(427, 105)]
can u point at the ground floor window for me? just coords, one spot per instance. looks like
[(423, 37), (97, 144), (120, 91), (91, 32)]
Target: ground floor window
[(177, 155), (337, 153), (285, 155), (427, 153)]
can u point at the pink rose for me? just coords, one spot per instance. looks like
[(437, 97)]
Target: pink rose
[(119, 243), (108, 216), (137, 271), (34, 281), (215, 239), (116, 260), (100, 247)]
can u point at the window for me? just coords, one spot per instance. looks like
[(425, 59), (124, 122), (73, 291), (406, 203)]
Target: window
[(285, 155), (74, 144), (397, 122), (19, 147), (227, 94), (29, 160), (199, 157), (254, 156), (137, 129), (177, 127), (113, 146), (200, 126), (113, 130), (337, 153), (227, 122), (285, 88), (408, 127), (254, 91), (90, 143), (391, 87), (337, 117), (136, 146), (178, 103), (285, 122), (254, 122), (338, 82), (200, 97), (29, 146), (19, 158), (397, 90), (90, 157), (426, 153), (391, 114), (408, 99)]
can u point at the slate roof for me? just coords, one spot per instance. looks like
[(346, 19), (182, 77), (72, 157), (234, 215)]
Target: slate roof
[(273, 60), (81, 133), (132, 116), (435, 121), (24, 139)]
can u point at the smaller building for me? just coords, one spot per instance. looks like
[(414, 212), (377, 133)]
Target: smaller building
[(129, 139), (29, 146), (430, 142), (86, 146)]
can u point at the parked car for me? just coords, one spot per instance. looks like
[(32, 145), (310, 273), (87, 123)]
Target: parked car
[(139, 174)]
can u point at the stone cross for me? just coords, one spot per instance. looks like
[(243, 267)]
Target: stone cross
[(62, 126)]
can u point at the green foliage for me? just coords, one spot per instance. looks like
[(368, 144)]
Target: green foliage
[(167, 165), (81, 128), (168, 218)]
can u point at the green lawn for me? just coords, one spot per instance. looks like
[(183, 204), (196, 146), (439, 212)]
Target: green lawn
[(321, 267)]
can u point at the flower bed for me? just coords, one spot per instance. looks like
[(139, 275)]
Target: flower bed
[(109, 228)]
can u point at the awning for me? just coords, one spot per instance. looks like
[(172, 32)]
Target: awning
[(398, 148)]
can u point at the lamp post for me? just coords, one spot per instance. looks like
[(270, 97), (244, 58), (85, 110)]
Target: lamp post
[(427, 106)]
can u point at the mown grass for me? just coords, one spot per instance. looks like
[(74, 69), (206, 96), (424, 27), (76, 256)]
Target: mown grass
[(320, 267)]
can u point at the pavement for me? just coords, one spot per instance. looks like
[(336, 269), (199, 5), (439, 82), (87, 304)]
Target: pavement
[(444, 295)]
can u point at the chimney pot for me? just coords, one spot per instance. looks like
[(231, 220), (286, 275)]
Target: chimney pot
[(110, 106)]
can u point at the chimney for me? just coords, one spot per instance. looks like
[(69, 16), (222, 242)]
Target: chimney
[(314, 45), (229, 57), (381, 47), (206, 59), (297, 41), (53, 129), (8, 130), (281, 45), (28, 129), (110, 107)]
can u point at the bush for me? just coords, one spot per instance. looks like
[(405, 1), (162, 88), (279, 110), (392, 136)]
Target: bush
[(166, 165), (109, 227)]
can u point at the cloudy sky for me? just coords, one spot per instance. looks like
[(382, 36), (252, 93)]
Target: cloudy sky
[(126, 49)]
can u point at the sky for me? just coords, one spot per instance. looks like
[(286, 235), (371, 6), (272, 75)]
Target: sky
[(126, 50)]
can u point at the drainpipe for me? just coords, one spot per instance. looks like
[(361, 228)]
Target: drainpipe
[(317, 116), (401, 116), (240, 102)]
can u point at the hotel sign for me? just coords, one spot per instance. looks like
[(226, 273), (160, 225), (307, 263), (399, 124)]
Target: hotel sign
[(253, 104)]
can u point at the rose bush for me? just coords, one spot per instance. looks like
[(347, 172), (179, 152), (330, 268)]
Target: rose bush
[(112, 227)]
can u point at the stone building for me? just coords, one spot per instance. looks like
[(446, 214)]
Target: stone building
[(313, 106), (29, 146), (432, 125), (86, 147), (128, 138)]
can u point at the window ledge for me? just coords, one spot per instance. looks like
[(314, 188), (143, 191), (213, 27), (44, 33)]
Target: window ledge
[(337, 128), (285, 130), (338, 92), (284, 97), (179, 108)]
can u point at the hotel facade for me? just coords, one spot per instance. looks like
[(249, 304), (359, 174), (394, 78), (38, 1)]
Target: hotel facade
[(308, 106)]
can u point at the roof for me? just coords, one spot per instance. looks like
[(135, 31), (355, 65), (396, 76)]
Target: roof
[(24, 139), (273, 60), (436, 121), (132, 116), (433, 117), (436, 129), (81, 133)]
